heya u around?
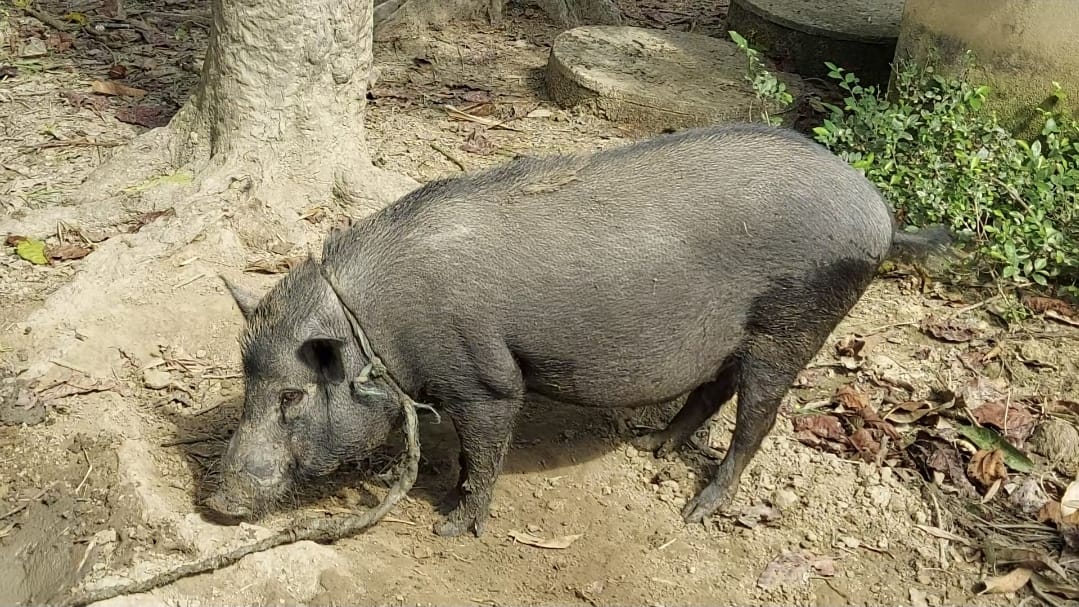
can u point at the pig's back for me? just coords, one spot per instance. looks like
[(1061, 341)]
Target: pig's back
[(653, 252)]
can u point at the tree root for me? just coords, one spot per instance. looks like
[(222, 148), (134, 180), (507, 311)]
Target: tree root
[(319, 530)]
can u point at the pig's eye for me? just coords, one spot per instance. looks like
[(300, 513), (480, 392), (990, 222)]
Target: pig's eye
[(290, 398)]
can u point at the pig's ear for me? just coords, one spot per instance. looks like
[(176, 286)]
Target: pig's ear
[(323, 355), (245, 300)]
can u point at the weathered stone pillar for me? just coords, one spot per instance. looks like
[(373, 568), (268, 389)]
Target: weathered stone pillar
[(1021, 47)]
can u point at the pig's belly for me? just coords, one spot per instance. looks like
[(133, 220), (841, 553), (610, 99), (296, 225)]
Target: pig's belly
[(629, 376)]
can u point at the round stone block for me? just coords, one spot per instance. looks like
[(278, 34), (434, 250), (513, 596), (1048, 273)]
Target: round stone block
[(654, 79), (857, 35)]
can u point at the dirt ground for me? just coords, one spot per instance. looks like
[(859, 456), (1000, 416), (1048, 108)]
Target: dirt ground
[(99, 481)]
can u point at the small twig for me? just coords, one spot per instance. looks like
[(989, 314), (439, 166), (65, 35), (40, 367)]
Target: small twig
[(667, 544), (399, 521), (205, 410), (86, 555), (69, 143), (46, 18), (70, 366), (224, 376), (884, 328), (89, 469), (449, 155), (973, 306), (189, 281), (26, 504), (318, 530), (191, 440)]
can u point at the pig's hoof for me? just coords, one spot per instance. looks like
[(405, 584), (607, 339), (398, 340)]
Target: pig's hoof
[(450, 528), (454, 526), (657, 442), (705, 504)]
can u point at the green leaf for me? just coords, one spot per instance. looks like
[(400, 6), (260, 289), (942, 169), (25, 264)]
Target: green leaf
[(32, 250), (988, 439)]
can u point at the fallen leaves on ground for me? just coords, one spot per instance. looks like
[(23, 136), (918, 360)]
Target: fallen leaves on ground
[(909, 412), (792, 568), (555, 543), (1003, 584), (1041, 305), (987, 467), (115, 89), (987, 438), (1011, 418), (852, 350), (808, 428), (148, 116), (954, 329), (68, 251), (31, 250)]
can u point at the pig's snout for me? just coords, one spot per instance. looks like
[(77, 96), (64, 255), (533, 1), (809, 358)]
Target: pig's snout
[(227, 507), (253, 480)]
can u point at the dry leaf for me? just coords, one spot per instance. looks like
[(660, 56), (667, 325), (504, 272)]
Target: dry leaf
[(555, 543), (13, 240), (851, 398), (866, 445), (1014, 420), (143, 115), (1041, 305), (825, 426), (856, 401), (944, 535), (477, 142), (1003, 584), (1057, 316), (1049, 513), (987, 467), (794, 568), (909, 412), (68, 251), (108, 87), (1069, 502), (539, 113), (852, 350), (953, 329), (84, 100)]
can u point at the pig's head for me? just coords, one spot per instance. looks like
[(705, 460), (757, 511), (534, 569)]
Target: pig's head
[(303, 414)]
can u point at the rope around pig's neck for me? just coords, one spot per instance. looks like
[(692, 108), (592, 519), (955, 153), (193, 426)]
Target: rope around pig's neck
[(320, 529)]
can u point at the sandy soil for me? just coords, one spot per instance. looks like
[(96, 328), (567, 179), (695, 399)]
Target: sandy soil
[(99, 482)]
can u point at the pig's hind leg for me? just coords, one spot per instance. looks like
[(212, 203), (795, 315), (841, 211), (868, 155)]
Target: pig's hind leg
[(787, 327), (701, 404)]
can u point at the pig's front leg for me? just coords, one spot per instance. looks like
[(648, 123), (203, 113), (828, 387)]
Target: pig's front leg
[(485, 431)]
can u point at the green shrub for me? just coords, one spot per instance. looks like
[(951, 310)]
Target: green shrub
[(939, 156), (771, 91)]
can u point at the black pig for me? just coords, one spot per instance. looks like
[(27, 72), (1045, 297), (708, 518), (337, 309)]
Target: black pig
[(705, 262)]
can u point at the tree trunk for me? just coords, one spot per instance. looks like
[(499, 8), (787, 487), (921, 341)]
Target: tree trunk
[(574, 13), (277, 117), (273, 129)]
